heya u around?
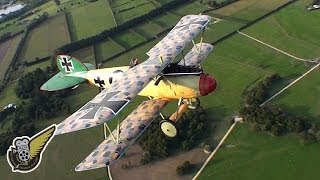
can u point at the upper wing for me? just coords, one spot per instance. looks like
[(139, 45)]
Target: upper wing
[(38, 143), (130, 129), (110, 101), (179, 37), (197, 54)]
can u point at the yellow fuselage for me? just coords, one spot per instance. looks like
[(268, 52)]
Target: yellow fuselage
[(172, 87)]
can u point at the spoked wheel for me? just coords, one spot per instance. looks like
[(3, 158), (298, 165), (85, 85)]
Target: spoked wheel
[(168, 128), (193, 103)]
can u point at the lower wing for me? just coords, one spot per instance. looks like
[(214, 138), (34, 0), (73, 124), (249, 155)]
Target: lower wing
[(130, 129)]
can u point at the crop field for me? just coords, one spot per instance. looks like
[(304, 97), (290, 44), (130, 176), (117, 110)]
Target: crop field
[(42, 40), (128, 39), (107, 49), (91, 19), (167, 20), (125, 10), (256, 155), (85, 55), (7, 51), (148, 29)]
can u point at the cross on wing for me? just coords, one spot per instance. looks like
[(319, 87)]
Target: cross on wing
[(110, 101)]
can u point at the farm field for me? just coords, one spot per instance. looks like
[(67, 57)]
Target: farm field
[(125, 10), (148, 29), (85, 55), (7, 51), (128, 39), (283, 36), (307, 91), (256, 155), (43, 39), (273, 157), (107, 49), (91, 19), (23, 71)]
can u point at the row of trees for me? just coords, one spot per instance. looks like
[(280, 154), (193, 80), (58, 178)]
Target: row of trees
[(217, 4), (103, 35), (272, 119), (156, 145)]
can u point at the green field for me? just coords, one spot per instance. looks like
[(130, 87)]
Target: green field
[(85, 55), (107, 49), (24, 70), (90, 19), (148, 29), (167, 20), (128, 39), (125, 10), (7, 50), (291, 37), (260, 156), (308, 105), (44, 39)]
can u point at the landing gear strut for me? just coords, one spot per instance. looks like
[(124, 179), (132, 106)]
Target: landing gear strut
[(168, 126)]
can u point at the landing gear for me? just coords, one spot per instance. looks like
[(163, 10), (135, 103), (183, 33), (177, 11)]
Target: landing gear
[(193, 103), (168, 127)]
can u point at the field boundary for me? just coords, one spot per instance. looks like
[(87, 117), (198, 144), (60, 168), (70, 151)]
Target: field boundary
[(214, 151), (295, 81), (114, 19), (274, 48)]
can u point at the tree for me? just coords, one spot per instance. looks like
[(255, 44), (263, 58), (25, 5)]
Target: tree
[(184, 168)]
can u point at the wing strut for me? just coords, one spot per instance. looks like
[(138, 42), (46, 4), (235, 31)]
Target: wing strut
[(105, 128)]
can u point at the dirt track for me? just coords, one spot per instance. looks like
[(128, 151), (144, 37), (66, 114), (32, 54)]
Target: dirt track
[(163, 169)]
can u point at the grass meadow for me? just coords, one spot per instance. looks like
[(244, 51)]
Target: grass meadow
[(7, 51), (91, 19), (44, 39)]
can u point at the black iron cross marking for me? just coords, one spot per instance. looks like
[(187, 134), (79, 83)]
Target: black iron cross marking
[(67, 64), (191, 22), (100, 82)]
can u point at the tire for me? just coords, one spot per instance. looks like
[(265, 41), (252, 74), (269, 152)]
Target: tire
[(168, 128)]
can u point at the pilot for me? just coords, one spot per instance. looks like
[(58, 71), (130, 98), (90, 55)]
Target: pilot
[(134, 62)]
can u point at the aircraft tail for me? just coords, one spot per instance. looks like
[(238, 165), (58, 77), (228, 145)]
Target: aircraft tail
[(68, 64), (72, 73)]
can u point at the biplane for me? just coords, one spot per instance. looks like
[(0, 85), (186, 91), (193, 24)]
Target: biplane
[(159, 78)]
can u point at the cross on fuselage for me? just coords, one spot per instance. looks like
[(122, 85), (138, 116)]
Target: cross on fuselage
[(191, 22), (99, 81), (67, 64)]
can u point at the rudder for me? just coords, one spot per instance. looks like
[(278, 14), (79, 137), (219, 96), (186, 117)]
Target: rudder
[(68, 64)]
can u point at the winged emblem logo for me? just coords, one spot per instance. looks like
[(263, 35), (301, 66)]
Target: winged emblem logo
[(25, 153)]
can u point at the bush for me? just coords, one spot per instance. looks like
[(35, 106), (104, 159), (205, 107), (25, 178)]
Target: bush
[(184, 168)]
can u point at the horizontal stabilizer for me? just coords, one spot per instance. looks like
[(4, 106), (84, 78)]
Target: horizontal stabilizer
[(130, 129), (196, 55), (60, 81)]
